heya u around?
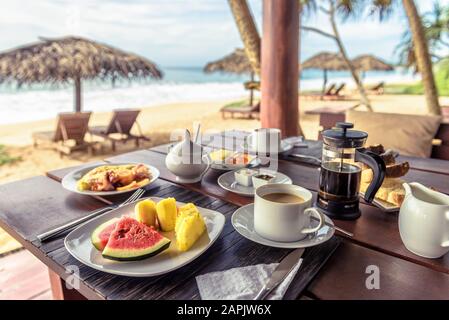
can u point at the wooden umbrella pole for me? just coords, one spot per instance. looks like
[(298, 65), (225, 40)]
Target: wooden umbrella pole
[(324, 83), (77, 81)]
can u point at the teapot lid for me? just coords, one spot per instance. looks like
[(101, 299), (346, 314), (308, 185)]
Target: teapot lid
[(342, 137), (186, 146)]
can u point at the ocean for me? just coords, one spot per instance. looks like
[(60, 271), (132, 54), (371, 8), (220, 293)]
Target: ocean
[(180, 84)]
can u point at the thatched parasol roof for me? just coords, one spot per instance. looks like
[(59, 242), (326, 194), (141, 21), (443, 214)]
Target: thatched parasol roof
[(369, 62), (64, 59), (237, 62), (325, 61), (72, 58)]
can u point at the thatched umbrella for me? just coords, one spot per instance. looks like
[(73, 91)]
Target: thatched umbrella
[(326, 61), (72, 59), (236, 62), (367, 62)]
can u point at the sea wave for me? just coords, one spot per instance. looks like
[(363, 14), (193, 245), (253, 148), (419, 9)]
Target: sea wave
[(27, 105)]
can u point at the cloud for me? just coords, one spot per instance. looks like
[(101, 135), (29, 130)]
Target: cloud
[(174, 32)]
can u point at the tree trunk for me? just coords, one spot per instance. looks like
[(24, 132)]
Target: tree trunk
[(248, 31), (279, 77), (77, 82), (355, 76), (422, 55)]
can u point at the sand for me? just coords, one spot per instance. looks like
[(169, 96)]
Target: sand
[(158, 123)]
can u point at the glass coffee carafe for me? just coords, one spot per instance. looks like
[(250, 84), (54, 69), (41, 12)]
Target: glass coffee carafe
[(341, 169)]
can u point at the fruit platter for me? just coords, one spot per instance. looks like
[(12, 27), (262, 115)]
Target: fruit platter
[(109, 179), (146, 238)]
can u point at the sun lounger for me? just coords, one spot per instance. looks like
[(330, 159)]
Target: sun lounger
[(248, 112), (377, 89), (69, 135), (314, 95), (119, 128)]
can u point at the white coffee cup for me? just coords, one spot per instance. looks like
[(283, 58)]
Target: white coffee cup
[(265, 140), (285, 222)]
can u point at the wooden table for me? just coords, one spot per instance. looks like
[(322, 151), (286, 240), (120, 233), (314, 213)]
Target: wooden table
[(31, 206)]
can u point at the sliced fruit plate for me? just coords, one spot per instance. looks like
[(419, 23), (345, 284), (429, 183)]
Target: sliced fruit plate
[(147, 238), (226, 160)]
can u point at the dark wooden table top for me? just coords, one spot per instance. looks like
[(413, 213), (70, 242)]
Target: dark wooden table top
[(31, 206)]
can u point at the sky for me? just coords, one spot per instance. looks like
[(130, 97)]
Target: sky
[(182, 32)]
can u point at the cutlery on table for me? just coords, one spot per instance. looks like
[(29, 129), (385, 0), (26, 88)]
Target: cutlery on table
[(349, 234), (280, 273), (70, 225)]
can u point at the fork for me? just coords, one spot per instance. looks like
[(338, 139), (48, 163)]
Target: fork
[(70, 225)]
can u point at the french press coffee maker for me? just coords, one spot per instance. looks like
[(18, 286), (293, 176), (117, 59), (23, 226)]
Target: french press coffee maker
[(340, 173)]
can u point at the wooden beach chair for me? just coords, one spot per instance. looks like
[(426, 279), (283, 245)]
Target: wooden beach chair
[(377, 89), (320, 95), (119, 128), (247, 112), (69, 134)]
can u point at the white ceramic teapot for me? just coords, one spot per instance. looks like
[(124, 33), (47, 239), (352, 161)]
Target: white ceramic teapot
[(187, 161), (424, 221)]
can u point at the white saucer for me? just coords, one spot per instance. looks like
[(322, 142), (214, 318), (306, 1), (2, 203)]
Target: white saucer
[(227, 182), (243, 221), (285, 148)]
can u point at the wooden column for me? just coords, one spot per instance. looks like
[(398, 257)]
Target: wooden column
[(279, 74)]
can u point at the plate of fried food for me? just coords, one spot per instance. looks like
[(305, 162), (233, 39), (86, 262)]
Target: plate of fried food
[(110, 179)]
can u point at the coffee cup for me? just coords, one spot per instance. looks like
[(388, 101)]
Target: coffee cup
[(265, 140), (282, 212)]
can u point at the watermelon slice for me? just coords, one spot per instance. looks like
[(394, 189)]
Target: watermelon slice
[(101, 234), (133, 240)]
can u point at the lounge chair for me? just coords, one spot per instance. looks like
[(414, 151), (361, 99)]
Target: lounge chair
[(248, 112), (119, 128), (69, 135), (377, 89), (320, 95)]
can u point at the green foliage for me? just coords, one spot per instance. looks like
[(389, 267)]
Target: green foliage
[(237, 104), (5, 157), (441, 79)]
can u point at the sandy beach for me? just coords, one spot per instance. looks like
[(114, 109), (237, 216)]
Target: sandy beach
[(157, 123)]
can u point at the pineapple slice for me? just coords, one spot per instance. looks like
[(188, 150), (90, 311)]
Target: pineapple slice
[(145, 211), (189, 226), (166, 214)]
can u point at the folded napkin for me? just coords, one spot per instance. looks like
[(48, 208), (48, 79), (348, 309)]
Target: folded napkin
[(242, 283)]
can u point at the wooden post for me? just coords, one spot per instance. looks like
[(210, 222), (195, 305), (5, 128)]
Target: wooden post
[(279, 74), (77, 82)]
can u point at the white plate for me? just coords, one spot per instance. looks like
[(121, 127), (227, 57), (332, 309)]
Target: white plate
[(243, 221), (285, 148), (70, 180), (79, 245), (383, 205), (227, 166), (227, 182)]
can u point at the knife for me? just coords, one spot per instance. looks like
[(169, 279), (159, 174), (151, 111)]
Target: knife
[(280, 273)]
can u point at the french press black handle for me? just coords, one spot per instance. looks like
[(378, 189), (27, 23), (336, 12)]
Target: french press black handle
[(377, 164)]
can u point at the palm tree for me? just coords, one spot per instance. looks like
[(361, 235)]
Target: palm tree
[(422, 56), (248, 32)]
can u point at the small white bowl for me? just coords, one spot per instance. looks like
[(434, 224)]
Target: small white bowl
[(261, 179), (244, 176)]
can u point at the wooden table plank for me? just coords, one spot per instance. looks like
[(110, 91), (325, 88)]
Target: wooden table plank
[(399, 279), (34, 205), (374, 229)]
